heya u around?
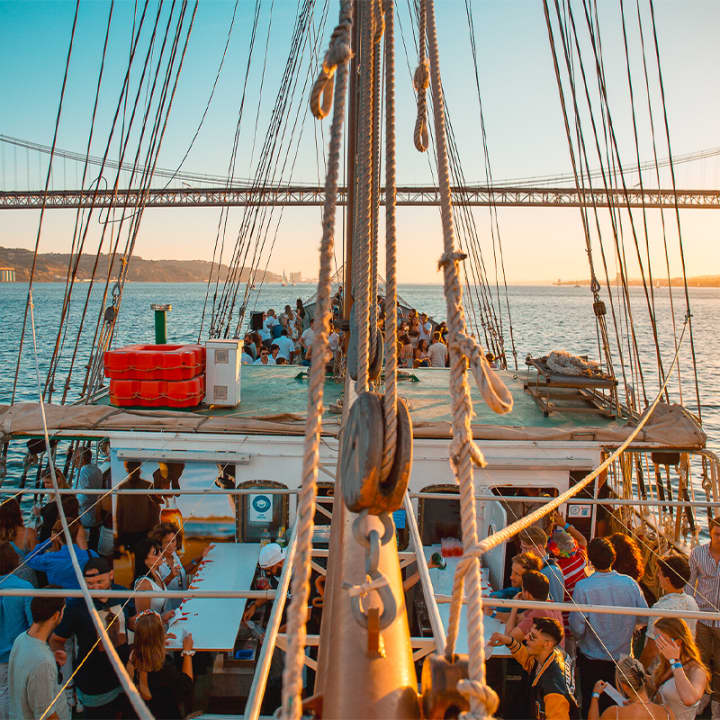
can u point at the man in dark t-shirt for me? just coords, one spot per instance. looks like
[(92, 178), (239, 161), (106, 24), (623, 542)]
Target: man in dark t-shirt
[(551, 673), (96, 683)]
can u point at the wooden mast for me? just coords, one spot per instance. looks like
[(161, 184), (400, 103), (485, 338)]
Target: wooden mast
[(352, 682)]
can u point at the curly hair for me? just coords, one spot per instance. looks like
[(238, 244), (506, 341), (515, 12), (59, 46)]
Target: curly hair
[(628, 558), (10, 520)]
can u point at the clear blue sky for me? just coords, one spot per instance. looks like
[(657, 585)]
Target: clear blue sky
[(524, 123)]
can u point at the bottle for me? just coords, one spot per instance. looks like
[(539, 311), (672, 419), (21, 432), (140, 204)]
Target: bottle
[(282, 540), (266, 537)]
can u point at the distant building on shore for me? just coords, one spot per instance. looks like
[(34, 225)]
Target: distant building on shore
[(295, 277), (7, 274)]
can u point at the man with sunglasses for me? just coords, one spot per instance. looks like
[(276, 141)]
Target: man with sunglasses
[(551, 673)]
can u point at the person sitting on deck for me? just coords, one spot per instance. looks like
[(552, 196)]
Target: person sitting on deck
[(603, 639), (551, 672), (265, 358), (306, 339), (534, 539), (285, 346), (673, 572), (136, 514), (421, 355), (535, 586), (163, 687), (520, 565), (634, 684)]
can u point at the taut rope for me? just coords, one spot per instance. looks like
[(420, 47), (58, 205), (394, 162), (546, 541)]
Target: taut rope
[(337, 58), (390, 398), (463, 451)]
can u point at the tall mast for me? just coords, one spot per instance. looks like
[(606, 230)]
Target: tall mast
[(352, 681)]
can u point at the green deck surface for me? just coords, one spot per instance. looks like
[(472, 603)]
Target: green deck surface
[(275, 390)]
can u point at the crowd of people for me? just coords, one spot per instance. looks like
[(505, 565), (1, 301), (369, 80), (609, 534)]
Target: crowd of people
[(46, 641), (598, 665), (286, 338)]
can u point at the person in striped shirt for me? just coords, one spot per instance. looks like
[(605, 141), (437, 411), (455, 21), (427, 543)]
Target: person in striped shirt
[(569, 548), (704, 586)]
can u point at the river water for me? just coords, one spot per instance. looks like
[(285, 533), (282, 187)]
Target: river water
[(543, 319)]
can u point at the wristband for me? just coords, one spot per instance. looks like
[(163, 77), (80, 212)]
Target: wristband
[(566, 526), (188, 652), (596, 695), (676, 664)]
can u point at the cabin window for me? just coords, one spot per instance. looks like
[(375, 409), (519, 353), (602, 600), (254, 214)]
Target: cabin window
[(262, 516), (517, 510), (439, 518)]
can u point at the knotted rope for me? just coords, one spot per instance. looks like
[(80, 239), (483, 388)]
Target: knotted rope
[(390, 398), (421, 81), (483, 700), (339, 53), (340, 45), (468, 563)]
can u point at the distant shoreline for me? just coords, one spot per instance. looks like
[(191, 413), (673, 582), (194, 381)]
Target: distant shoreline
[(709, 281)]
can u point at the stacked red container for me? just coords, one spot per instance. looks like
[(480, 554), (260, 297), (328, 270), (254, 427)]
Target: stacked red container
[(156, 375)]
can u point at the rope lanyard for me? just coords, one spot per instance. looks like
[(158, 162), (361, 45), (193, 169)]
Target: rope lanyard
[(335, 62)]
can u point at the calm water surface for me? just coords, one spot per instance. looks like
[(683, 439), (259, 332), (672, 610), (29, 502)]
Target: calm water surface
[(543, 318)]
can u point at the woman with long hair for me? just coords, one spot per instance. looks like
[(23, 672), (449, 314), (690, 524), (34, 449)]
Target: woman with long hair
[(161, 684), (421, 355), (681, 677), (628, 557), (148, 559), (13, 530), (634, 684)]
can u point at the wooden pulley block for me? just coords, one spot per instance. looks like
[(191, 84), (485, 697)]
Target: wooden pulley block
[(361, 452), (440, 696), (375, 350), (391, 491)]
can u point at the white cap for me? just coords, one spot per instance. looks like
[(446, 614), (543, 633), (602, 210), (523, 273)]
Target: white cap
[(270, 554)]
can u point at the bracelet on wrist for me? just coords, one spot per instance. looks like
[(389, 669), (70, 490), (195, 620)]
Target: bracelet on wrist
[(188, 652), (596, 695), (566, 527), (676, 665)]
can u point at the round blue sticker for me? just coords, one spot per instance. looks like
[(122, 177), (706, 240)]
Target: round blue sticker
[(261, 503)]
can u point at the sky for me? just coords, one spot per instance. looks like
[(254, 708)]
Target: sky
[(524, 123)]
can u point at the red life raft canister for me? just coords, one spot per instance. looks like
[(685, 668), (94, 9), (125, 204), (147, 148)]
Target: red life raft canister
[(156, 375)]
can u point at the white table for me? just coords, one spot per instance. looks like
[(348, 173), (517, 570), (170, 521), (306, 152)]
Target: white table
[(214, 622), (442, 581)]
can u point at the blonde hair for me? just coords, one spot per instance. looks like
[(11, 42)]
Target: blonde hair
[(630, 671), (677, 629), (149, 642)]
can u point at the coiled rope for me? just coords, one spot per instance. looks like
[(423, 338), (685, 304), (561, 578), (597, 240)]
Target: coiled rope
[(463, 451), (338, 55)]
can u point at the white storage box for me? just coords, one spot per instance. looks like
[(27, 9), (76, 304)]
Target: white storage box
[(222, 380)]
